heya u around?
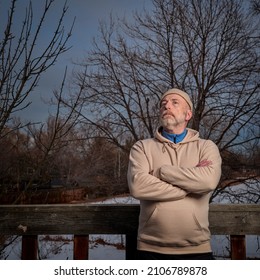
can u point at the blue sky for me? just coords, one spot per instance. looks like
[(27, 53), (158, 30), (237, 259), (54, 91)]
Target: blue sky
[(88, 13)]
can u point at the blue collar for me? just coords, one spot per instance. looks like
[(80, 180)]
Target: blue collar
[(175, 138)]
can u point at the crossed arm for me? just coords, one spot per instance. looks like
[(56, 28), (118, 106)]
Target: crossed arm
[(200, 179), (204, 163), (173, 182)]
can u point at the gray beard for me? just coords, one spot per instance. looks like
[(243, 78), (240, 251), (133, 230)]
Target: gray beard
[(170, 123)]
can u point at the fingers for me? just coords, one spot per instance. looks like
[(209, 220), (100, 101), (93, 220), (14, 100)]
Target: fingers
[(204, 163)]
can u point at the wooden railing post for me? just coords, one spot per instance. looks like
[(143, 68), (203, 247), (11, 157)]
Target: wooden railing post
[(29, 247), (30, 221), (238, 247), (81, 247)]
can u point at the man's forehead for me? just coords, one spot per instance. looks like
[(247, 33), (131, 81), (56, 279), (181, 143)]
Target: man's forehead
[(178, 94), (173, 96)]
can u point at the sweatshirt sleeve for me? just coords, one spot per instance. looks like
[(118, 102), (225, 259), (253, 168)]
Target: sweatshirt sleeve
[(196, 179), (145, 186)]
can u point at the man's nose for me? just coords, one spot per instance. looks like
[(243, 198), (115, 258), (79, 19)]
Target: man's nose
[(168, 104)]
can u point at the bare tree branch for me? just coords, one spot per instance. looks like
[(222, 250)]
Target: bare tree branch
[(22, 62)]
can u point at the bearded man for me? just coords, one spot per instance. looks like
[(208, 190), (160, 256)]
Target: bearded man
[(173, 175)]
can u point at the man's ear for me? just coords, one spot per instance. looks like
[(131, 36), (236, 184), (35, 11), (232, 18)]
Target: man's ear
[(188, 115)]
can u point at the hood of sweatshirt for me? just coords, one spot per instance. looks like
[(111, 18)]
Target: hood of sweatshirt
[(192, 135)]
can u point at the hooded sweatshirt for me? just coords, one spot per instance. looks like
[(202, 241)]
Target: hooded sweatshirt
[(173, 192)]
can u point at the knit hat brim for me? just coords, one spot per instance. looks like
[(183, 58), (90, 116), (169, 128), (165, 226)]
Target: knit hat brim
[(179, 92)]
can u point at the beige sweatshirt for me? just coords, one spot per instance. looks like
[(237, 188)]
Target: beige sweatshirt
[(174, 193)]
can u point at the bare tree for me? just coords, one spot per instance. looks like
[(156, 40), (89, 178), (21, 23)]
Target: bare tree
[(208, 48), (49, 141), (204, 47), (255, 7), (22, 60)]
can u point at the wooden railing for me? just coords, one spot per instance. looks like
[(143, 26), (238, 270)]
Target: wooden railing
[(236, 220)]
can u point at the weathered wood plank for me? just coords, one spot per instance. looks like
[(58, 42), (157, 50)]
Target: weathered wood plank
[(68, 219), (234, 219), (81, 219)]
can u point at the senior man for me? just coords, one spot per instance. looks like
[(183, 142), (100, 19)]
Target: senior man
[(173, 175)]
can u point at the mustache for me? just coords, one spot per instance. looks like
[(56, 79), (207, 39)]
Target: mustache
[(164, 113)]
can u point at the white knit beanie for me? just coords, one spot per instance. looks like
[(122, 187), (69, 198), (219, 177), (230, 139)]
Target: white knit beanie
[(183, 94)]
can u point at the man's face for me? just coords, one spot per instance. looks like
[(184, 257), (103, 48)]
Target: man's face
[(174, 113)]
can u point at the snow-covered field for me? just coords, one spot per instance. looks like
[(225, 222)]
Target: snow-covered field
[(111, 247)]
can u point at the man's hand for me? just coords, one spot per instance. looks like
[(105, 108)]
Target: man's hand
[(204, 163)]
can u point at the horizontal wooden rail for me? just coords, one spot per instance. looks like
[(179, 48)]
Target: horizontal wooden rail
[(68, 219), (236, 220)]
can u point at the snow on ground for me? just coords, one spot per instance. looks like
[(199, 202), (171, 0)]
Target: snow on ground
[(104, 247)]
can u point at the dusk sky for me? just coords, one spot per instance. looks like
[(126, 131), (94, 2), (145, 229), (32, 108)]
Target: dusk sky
[(87, 13)]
